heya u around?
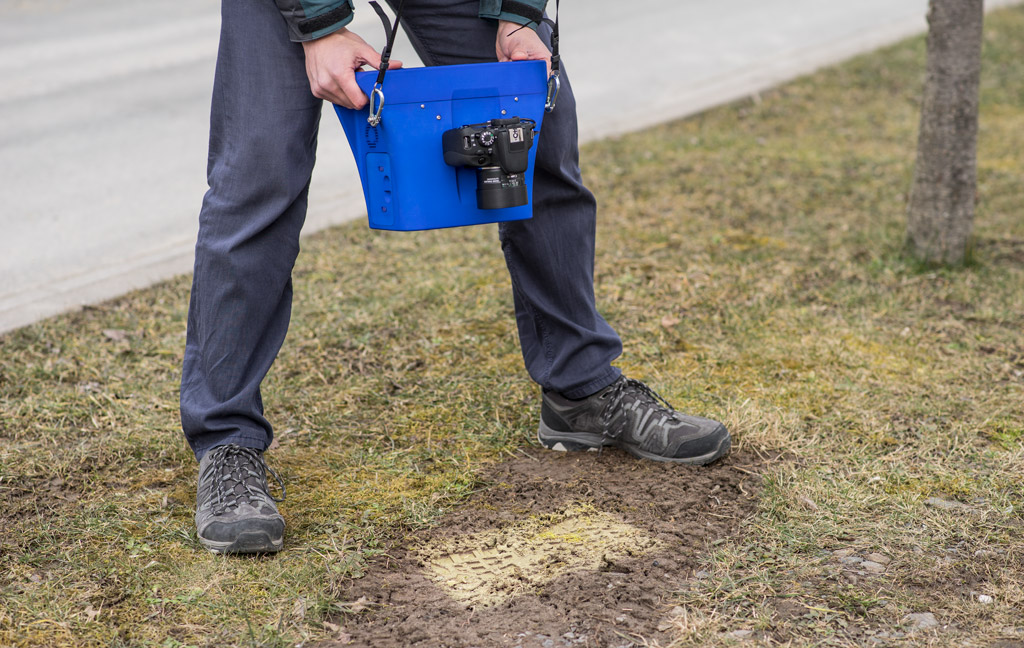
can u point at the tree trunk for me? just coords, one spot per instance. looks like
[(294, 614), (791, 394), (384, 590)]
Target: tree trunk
[(941, 211)]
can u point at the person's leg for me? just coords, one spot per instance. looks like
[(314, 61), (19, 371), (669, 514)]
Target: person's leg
[(263, 129), (567, 346)]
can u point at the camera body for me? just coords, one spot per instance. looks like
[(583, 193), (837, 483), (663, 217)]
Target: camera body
[(500, 151)]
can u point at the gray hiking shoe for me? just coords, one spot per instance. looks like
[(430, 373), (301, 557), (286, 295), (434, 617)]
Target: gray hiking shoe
[(629, 415), (235, 512)]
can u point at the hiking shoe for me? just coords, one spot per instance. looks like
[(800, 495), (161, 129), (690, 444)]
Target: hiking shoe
[(235, 512), (630, 415)]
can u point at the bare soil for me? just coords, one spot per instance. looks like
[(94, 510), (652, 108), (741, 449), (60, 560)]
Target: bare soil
[(678, 511)]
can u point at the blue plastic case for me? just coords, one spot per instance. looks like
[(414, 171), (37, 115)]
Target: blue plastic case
[(406, 183)]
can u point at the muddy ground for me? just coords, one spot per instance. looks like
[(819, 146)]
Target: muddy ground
[(611, 538)]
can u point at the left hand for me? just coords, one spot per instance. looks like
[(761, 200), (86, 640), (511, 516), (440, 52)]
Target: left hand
[(518, 43)]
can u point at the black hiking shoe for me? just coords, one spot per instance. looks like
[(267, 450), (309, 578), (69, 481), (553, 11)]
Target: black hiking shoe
[(629, 415), (235, 512)]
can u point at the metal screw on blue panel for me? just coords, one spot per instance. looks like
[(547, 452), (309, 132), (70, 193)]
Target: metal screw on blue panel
[(439, 116), (423, 106), (517, 98)]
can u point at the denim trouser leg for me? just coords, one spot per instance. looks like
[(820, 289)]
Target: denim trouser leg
[(263, 130), (567, 345)]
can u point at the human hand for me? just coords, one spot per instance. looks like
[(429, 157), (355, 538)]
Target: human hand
[(518, 43), (331, 64)]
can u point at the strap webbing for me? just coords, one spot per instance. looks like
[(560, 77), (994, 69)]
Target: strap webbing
[(555, 58), (391, 31)]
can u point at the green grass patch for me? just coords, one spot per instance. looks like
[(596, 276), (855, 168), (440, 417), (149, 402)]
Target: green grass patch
[(751, 259)]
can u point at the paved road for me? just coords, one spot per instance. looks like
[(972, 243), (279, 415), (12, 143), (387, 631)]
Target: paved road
[(104, 107)]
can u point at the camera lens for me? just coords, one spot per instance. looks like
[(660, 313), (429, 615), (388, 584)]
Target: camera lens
[(496, 189)]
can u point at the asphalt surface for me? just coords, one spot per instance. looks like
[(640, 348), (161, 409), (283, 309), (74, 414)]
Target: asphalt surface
[(104, 110)]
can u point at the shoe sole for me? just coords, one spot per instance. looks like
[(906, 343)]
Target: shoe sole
[(247, 542), (578, 441)]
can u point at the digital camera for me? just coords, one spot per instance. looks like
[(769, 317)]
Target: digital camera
[(500, 151)]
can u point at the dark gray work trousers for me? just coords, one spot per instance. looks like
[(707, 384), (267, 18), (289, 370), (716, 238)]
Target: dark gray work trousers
[(263, 134)]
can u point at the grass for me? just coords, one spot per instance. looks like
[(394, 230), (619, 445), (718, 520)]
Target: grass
[(751, 257)]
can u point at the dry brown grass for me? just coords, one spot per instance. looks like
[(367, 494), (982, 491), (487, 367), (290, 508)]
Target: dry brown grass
[(751, 258)]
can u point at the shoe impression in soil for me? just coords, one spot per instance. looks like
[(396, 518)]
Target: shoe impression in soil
[(630, 415), (235, 512)]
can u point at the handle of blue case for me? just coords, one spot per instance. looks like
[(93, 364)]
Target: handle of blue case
[(391, 30)]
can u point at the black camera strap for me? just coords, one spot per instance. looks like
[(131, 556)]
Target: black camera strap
[(377, 96)]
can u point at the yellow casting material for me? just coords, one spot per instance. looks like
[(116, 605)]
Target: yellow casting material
[(525, 557)]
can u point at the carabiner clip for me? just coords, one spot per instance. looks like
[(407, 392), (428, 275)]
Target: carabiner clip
[(554, 85), (378, 96)]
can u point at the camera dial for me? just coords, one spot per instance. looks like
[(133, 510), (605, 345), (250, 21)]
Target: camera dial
[(487, 138)]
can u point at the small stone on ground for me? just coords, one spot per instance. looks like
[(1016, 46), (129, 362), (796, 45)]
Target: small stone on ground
[(921, 620), (947, 505), (873, 567)]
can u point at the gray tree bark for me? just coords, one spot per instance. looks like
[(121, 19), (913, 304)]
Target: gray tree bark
[(941, 207)]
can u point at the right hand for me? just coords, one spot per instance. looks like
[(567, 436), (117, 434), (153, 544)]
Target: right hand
[(331, 64), (518, 43)]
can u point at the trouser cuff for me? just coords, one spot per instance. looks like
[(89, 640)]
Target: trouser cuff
[(593, 386)]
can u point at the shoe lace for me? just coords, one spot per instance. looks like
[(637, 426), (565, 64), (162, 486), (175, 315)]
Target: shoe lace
[(630, 388), (239, 475)]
